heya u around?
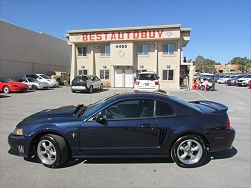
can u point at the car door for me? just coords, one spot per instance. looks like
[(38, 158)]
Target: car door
[(129, 127), (97, 82)]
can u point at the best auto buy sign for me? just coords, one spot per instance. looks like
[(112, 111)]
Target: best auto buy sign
[(124, 35)]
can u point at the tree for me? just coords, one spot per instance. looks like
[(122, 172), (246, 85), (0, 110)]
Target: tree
[(243, 62), (204, 65)]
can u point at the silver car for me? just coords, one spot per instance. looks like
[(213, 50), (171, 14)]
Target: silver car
[(87, 83), (34, 84)]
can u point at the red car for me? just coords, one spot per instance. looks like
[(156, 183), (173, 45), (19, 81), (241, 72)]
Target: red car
[(249, 84), (7, 85)]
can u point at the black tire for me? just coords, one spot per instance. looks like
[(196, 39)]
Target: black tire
[(34, 87), (73, 91), (60, 147), (6, 89), (101, 87), (91, 89), (177, 152)]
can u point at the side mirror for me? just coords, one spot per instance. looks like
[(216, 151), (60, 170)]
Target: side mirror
[(100, 119)]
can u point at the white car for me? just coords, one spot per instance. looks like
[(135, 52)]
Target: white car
[(244, 80), (34, 84), (223, 79), (147, 82), (43, 78)]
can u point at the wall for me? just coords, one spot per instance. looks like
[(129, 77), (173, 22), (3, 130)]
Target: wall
[(23, 51)]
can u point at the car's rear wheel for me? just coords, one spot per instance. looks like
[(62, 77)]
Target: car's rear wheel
[(189, 151), (91, 89), (6, 89), (52, 151)]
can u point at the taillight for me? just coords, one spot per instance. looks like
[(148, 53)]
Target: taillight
[(137, 82), (156, 82), (228, 126)]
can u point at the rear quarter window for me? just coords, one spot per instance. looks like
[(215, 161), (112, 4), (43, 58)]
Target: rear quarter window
[(163, 109)]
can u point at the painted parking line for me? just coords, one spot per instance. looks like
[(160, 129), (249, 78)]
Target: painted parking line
[(200, 94)]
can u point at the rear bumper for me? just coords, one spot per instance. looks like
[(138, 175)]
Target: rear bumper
[(223, 140), (19, 145), (146, 89), (79, 88)]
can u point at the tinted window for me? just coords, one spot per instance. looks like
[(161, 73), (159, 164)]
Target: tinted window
[(130, 109), (147, 77), (163, 109)]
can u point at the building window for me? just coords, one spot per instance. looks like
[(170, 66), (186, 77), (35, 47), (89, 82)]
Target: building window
[(143, 49), (168, 49), (104, 74), (167, 74), (82, 71), (105, 50), (82, 51)]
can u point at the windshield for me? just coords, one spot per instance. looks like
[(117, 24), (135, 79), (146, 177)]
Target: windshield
[(81, 77), (92, 108), (44, 76), (31, 80), (147, 77), (5, 80)]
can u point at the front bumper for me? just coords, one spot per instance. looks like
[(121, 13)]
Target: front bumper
[(241, 84), (18, 89), (19, 145), (221, 140)]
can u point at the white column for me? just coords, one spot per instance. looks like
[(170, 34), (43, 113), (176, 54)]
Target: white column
[(73, 62), (156, 58)]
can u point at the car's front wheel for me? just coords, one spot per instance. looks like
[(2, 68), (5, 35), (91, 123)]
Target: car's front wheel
[(52, 151), (6, 89), (101, 87), (189, 151)]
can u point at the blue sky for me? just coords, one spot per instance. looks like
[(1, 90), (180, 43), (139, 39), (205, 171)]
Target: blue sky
[(221, 29)]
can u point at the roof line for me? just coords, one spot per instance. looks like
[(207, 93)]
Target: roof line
[(125, 28)]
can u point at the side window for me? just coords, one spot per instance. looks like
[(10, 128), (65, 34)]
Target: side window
[(130, 109), (163, 109)]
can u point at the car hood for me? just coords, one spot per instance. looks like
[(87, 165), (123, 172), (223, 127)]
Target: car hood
[(19, 84), (51, 116)]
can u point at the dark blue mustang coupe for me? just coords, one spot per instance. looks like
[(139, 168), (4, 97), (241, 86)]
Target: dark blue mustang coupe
[(125, 125)]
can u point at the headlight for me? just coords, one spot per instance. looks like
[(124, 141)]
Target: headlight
[(18, 131)]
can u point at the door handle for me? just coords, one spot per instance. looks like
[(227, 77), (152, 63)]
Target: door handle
[(145, 125)]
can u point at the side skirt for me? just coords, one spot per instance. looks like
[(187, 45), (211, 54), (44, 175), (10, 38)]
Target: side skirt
[(119, 156)]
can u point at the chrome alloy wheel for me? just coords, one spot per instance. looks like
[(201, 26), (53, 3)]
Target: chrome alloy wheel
[(189, 151), (46, 152)]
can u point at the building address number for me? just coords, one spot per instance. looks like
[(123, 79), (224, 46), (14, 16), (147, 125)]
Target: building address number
[(121, 46)]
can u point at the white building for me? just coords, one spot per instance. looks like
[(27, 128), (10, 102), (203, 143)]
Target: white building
[(117, 54)]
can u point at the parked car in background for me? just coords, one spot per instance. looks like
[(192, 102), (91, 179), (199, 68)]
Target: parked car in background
[(43, 78), (249, 84), (127, 125), (232, 80), (86, 83), (218, 76), (243, 81), (222, 80), (8, 85), (63, 78), (33, 83), (146, 82)]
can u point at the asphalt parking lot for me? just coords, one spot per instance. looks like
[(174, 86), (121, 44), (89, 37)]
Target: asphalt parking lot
[(223, 169)]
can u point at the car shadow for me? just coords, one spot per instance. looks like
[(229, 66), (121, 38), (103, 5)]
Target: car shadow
[(4, 96), (75, 161), (220, 155)]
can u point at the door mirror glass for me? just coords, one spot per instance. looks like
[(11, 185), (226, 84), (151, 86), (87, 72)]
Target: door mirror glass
[(100, 119)]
